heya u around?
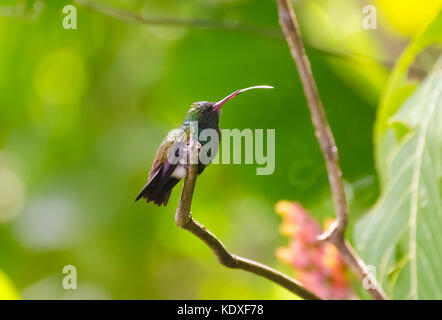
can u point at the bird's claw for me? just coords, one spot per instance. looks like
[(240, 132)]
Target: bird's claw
[(196, 144)]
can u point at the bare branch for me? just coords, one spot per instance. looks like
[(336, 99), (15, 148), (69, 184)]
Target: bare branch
[(184, 220), (290, 27), (336, 233)]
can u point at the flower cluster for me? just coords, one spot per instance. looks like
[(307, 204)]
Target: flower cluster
[(318, 265)]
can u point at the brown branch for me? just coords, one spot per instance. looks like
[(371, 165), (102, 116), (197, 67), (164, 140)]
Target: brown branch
[(336, 233), (184, 220)]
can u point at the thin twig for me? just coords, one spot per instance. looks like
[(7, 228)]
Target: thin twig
[(179, 22), (268, 32), (336, 233), (184, 220)]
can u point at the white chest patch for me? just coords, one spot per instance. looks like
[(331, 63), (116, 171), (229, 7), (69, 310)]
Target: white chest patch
[(179, 172)]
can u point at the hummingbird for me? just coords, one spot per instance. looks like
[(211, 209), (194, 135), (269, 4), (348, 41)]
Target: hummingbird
[(165, 174)]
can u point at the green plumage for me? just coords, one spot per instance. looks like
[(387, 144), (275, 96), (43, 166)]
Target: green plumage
[(166, 172), (164, 175)]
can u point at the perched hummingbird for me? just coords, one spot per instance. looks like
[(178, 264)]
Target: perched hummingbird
[(165, 174)]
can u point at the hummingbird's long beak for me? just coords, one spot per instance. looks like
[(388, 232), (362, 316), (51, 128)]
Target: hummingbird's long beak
[(217, 106)]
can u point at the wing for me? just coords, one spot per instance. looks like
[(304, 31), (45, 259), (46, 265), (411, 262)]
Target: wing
[(169, 155)]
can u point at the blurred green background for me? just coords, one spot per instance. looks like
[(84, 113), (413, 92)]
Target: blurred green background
[(83, 111)]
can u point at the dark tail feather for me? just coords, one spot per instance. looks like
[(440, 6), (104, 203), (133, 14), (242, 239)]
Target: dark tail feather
[(158, 193), (143, 193)]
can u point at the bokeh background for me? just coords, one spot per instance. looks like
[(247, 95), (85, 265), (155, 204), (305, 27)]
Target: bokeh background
[(83, 111)]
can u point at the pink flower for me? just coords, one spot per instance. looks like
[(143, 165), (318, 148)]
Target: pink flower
[(319, 265)]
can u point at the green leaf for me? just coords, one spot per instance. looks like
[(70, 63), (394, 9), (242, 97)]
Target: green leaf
[(401, 236), (399, 88)]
